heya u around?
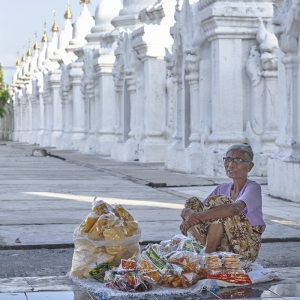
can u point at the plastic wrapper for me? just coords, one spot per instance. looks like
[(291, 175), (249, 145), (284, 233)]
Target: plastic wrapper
[(87, 224), (98, 272), (100, 207), (223, 263), (131, 227), (231, 278), (178, 277), (123, 214), (106, 242), (127, 278), (189, 261), (106, 221), (123, 251), (153, 266)]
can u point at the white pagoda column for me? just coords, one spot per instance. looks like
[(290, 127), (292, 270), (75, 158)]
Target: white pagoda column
[(99, 88), (82, 27), (284, 165), (229, 35)]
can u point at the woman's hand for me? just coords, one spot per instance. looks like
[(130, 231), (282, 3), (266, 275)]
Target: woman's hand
[(184, 227), (191, 217)]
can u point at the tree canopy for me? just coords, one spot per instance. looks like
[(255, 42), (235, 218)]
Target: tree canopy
[(4, 94)]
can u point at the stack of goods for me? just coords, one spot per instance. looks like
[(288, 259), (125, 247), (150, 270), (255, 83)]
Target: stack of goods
[(107, 235), (225, 266), (126, 278), (175, 263)]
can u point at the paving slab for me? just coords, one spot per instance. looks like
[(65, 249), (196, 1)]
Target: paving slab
[(37, 286), (44, 198)]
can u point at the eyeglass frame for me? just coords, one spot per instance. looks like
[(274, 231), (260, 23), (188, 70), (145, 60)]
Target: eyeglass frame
[(232, 160)]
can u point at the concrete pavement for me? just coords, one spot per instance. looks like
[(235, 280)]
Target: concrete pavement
[(43, 199)]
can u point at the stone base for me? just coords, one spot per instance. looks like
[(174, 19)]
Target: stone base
[(213, 165), (260, 164), (125, 151), (78, 140), (55, 138), (40, 137), (185, 161), (46, 139), (152, 150), (34, 137), (283, 179), (104, 144), (90, 145)]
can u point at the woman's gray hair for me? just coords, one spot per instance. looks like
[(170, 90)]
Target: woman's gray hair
[(246, 148)]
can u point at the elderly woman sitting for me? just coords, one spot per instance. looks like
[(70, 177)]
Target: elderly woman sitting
[(230, 218)]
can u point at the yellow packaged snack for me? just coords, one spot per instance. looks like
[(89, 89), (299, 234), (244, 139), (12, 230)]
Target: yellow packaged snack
[(87, 224), (101, 208), (114, 233), (131, 228), (123, 214), (105, 221)]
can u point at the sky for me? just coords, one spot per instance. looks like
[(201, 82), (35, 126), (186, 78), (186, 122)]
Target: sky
[(20, 19)]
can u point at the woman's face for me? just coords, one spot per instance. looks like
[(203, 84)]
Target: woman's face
[(236, 170)]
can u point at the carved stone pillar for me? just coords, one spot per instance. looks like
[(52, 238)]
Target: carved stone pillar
[(78, 124), (103, 64)]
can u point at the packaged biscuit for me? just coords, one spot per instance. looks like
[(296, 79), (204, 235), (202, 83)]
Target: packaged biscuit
[(123, 214), (131, 227), (87, 224), (100, 207), (108, 220), (153, 266), (189, 261)]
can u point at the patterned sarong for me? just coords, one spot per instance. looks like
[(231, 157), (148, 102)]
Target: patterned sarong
[(238, 237)]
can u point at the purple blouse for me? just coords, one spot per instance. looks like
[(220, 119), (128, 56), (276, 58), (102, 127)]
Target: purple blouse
[(250, 195)]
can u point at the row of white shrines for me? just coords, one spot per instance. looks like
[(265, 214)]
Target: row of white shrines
[(173, 81)]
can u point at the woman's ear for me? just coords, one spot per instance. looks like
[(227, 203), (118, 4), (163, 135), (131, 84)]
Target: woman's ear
[(250, 166)]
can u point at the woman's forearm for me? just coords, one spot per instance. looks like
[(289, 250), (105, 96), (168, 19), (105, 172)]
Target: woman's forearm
[(222, 211)]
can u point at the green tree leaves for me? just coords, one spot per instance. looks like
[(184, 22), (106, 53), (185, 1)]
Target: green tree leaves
[(4, 94)]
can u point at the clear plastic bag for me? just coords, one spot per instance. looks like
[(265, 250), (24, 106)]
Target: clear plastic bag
[(88, 252)]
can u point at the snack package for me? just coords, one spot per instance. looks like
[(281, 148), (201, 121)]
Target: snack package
[(100, 207), (188, 278), (98, 272), (108, 240), (189, 261), (87, 224), (153, 266), (131, 227), (108, 220), (123, 214), (126, 278), (123, 251), (213, 263)]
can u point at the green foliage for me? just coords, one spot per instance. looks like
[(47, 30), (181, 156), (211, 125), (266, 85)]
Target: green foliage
[(4, 94)]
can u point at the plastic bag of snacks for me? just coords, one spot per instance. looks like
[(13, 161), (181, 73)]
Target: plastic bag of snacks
[(225, 266), (188, 261), (127, 278), (107, 235), (176, 276), (152, 265)]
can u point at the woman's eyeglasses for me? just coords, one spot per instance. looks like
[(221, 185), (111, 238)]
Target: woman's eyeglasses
[(236, 160)]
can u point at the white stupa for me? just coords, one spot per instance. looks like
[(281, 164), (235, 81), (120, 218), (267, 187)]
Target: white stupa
[(42, 54), (82, 27), (52, 47), (15, 76), (34, 59), (105, 12), (64, 37)]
